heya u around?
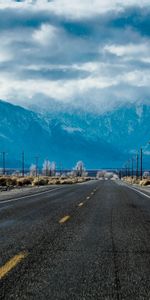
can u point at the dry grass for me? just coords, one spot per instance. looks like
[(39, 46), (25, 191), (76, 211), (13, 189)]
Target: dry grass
[(7, 181), (131, 180), (145, 182), (40, 181)]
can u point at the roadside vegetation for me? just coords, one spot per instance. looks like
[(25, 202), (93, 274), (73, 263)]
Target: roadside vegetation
[(10, 182), (48, 176), (143, 182)]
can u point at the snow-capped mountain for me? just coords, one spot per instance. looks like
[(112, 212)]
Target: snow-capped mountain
[(67, 136)]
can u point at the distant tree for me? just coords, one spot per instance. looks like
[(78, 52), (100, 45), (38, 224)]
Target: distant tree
[(79, 168), (33, 170), (46, 167), (53, 168)]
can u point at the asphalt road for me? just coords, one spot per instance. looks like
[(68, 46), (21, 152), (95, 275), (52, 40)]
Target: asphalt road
[(85, 241)]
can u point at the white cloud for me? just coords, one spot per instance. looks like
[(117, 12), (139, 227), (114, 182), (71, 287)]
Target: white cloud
[(68, 66), (89, 66), (92, 68), (69, 90), (64, 90), (5, 55), (128, 50), (138, 78), (75, 9), (45, 35)]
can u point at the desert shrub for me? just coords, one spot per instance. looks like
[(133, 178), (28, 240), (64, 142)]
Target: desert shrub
[(40, 181), (131, 180), (88, 178), (19, 183), (24, 181), (54, 181), (67, 181), (134, 180), (3, 181), (80, 180), (31, 178), (11, 181), (145, 182), (27, 181), (75, 180)]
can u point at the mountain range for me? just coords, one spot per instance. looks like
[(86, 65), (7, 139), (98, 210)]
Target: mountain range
[(66, 136)]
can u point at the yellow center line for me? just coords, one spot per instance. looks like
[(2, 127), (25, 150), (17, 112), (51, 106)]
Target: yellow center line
[(12, 263), (64, 219), (81, 204)]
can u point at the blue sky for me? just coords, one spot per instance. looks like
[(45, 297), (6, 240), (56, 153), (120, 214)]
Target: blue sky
[(91, 54)]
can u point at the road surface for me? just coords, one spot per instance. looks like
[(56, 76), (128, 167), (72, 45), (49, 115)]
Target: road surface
[(84, 241)]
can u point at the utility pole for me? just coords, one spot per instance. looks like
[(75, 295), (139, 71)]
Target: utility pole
[(120, 174), (141, 159), (129, 167), (4, 162), (132, 168), (137, 166), (126, 167), (23, 164), (47, 168), (36, 163), (60, 168), (123, 172)]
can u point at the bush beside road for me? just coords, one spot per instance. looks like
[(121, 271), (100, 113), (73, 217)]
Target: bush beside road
[(143, 182), (10, 182)]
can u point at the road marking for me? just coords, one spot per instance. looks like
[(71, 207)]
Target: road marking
[(29, 196), (12, 263), (81, 204), (88, 198), (64, 219), (139, 192), (92, 193)]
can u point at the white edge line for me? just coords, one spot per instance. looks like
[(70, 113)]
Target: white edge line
[(28, 196), (138, 191)]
